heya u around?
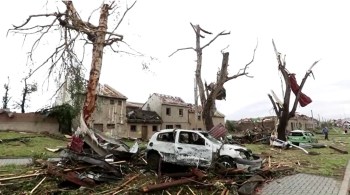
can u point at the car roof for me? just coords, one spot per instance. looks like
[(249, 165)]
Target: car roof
[(189, 130), (300, 131)]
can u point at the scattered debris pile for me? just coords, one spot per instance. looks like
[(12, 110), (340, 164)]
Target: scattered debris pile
[(94, 163), (80, 173)]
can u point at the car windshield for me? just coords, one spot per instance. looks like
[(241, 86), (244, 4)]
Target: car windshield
[(211, 138)]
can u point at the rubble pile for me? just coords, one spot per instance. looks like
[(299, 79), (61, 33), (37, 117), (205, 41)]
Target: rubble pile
[(94, 163), (79, 173)]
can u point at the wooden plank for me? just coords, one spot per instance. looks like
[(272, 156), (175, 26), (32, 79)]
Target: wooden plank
[(339, 150)]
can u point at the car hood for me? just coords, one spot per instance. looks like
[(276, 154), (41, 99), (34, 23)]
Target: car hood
[(228, 147)]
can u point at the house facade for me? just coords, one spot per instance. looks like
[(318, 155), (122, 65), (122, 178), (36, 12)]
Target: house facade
[(172, 110), (109, 115), (110, 112), (141, 123), (300, 121)]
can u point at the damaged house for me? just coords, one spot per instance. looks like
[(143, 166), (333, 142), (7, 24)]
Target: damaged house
[(110, 113), (141, 123), (172, 110), (299, 121)]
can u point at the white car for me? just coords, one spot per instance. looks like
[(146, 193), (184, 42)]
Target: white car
[(197, 148)]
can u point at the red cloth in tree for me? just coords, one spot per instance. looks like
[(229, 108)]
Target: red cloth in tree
[(304, 100)]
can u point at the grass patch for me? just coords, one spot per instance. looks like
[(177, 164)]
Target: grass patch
[(328, 163), (34, 147)]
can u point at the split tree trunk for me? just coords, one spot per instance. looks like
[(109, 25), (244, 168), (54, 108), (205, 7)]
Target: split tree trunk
[(96, 65)]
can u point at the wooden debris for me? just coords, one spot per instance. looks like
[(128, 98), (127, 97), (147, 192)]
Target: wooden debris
[(225, 192), (166, 185), (191, 190), (20, 177), (179, 192), (125, 183), (339, 150), (31, 192)]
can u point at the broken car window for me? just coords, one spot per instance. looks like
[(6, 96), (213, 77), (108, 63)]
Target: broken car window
[(166, 137), (191, 138)]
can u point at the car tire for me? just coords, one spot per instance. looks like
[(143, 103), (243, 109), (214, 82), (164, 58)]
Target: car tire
[(227, 162), (153, 160)]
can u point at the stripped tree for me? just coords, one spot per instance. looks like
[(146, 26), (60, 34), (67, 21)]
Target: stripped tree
[(282, 108), (73, 28), (215, 90)]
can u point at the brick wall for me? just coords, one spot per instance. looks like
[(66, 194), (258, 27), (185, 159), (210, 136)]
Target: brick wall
[(28, 122)]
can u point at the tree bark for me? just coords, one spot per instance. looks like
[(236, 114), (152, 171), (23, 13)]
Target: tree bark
[(96, 65), (24, 96)]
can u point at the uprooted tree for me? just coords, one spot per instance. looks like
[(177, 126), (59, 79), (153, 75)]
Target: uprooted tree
[(72, 29), (281, 109), (215, 90)]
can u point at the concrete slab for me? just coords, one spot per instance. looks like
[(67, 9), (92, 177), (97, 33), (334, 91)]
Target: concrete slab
[(301, 184)]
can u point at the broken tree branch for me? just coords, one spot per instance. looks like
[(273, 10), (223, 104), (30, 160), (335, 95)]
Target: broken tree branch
[(308, 72), (220, 34), (273, 104), (245, 67), (185, 48), (121, 19)]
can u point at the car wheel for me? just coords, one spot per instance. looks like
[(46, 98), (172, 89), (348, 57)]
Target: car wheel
[(153, 160), (227, 162)]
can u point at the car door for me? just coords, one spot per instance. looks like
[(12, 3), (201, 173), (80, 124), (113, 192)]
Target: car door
[(191, 149), (165, 144)]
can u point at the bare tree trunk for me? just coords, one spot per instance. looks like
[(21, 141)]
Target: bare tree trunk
[(25, 91), (208, 113), (282, 125), (208, 96), (96, 65)]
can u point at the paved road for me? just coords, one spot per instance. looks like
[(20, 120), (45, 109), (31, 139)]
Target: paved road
[(302, 184), (21, 161)]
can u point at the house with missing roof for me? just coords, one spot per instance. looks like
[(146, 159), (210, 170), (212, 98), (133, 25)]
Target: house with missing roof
[(141, 123), (172, 110), (115, 116)]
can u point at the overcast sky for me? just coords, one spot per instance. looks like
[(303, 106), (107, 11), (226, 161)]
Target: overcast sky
[(305, 31)]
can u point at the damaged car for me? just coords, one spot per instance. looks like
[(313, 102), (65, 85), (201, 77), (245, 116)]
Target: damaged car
[(199, 149)]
